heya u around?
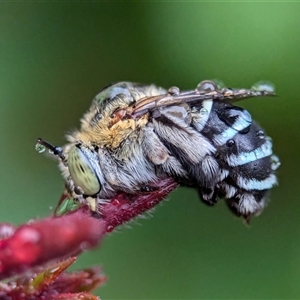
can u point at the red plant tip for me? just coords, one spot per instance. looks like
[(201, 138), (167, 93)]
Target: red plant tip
[(52, 238), (54, 283), (124, 207)]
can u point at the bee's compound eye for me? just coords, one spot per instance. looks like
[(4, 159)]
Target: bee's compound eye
[(82, 172)]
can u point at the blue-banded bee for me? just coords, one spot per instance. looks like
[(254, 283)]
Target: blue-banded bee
[(134, 135)]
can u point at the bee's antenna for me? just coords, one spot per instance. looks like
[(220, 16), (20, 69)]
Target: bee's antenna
[(58, 151)]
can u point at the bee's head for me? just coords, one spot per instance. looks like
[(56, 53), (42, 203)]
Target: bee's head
[(80, 166)]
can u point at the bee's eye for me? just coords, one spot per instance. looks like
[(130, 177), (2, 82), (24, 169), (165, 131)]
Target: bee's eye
[(82, 171)]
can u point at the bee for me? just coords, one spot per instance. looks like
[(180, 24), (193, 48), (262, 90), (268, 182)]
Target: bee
[(134, 135)]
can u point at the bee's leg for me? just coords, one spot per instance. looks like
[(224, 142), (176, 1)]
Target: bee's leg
[(148, 188), (193, 150), (208, 196), (206, 172), (173, 127), (159, 155)]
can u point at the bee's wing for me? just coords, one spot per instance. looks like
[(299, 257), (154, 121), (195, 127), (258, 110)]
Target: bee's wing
[(205, 90)]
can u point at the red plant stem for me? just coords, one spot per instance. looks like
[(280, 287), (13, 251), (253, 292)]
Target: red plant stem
[(123, 208)]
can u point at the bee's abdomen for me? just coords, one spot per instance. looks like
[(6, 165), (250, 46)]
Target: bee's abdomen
[(243, 151)]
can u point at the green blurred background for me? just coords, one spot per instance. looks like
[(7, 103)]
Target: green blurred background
[(54, 57)]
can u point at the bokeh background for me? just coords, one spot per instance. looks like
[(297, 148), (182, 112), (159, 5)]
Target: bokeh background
[(54, 57)]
